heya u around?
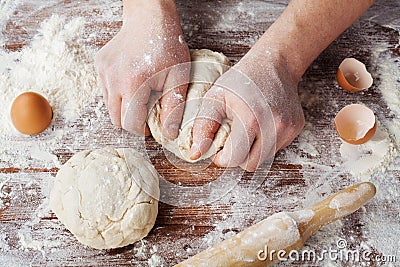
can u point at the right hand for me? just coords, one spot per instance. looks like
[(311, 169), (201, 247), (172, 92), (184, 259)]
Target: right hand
[(259, 95), (149, 41)]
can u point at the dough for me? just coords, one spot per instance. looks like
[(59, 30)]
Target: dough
[(206, 67), (107, 198)]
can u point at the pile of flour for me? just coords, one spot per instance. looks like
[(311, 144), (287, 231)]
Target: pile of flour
[(58, 65)]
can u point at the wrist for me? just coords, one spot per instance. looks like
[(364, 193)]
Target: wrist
[(155, 6), (306, 28), (284, 50), (274, 54)]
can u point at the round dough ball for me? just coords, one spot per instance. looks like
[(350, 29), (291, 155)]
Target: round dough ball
[(207, 66), (107, 198)]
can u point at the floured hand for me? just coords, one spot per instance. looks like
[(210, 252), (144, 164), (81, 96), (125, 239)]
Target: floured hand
[(149, 41), (275, 63), (260, 96)]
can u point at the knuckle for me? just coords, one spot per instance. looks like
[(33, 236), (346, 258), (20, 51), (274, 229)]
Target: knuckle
[(214, 92), (253, 122), (250, 122)]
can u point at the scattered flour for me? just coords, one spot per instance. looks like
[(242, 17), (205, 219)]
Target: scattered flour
[(6, 10), (31, 235), (6, 194), (181, 39), (69, 86), (3, 242), (306, 139), (57, 65), (27, 243), (156, 261), (178, 96), (147, 59)]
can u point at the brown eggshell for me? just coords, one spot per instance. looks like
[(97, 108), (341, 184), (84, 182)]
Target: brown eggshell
[(352, 75), (31, 113), (355, 124)]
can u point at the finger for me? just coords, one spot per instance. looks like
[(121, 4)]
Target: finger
[(134, 110), (237, 145), (114, 109), (263, 147), (206, 124), (203, 135), (261, 151), (254, 158), (173, 99), (135, 118)]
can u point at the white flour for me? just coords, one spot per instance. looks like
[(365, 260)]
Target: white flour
[(348, 199), (6, 9), (373, 156), (56, 64), (306, 139), (60, 67), (156, 261), (3, 194)]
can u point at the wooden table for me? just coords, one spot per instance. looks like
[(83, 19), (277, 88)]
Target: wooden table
[(230, 27)]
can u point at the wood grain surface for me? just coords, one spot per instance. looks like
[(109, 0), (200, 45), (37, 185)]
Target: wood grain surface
[(230, 27)]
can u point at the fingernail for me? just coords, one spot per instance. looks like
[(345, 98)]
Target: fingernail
[(194, 152)]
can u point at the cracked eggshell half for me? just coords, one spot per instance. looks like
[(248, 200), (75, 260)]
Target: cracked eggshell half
[(352, 75), (355, 124)]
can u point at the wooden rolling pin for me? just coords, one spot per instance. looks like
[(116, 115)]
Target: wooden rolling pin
[(282, 231)]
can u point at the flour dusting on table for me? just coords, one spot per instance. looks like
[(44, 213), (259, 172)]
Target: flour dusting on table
[(57, 65), (373, 156), (6, 9)]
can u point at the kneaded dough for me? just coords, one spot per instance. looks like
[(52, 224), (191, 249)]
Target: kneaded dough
[(107, 198), (202, 77)]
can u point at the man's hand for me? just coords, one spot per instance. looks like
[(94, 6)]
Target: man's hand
[(259, 95), (275, 64), (149, 41)]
